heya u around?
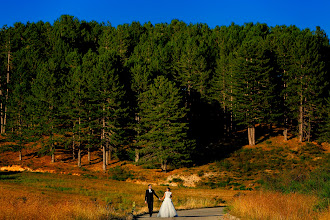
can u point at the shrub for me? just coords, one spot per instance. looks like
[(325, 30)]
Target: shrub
[(120, 174), (223, 164), (177, 180), (200, 173)]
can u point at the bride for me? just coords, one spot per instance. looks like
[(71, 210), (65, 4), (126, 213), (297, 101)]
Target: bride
[(167, 209)]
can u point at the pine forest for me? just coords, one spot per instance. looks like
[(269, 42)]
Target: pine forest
[(162, 94)]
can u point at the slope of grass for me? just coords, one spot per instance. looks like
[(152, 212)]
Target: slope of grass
[(295, 194), (246, 168)]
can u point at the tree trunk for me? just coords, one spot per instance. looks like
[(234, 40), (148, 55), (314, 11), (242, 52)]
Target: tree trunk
[(104, 158), (79, 156), (301, 124), (79, 144), (52, 150), (309, 131), (102, 142), (137, 155), (285, 134), (7, 93), (164, 166), (73, 147), (20, 155), (2, 117), (251, 135), (53, 157), (89, 155), (109, 156), (90, 133)]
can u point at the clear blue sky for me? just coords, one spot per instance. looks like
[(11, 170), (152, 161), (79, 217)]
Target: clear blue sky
[(302, 13)]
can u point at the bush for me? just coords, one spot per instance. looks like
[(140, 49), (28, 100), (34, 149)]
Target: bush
[(177, 180), (120, 174), (200, 173), (223, 164)]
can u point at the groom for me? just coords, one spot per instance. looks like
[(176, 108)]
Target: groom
[(149, 198)]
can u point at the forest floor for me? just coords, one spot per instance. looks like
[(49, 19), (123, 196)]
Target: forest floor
[(119, 191)]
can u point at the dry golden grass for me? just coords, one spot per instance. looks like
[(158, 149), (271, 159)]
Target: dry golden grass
[(53, 196), (325, 215), (20, 204), (276, 206)]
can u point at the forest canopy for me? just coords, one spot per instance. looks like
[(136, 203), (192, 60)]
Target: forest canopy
[(160, 93)]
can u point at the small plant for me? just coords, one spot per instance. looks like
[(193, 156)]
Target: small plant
[(120, 174), (224, 164), (200, 173), (242, 187), (83, 169), (177, 180)]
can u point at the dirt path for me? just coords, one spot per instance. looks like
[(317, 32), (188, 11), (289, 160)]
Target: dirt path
[(207, 214)]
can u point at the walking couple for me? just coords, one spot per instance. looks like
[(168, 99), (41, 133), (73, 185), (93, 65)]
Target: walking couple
[(167, 209)]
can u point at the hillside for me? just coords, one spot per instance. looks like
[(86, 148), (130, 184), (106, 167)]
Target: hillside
[(243, 169)]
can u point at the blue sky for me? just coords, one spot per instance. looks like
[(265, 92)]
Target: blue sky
[(303, 13)]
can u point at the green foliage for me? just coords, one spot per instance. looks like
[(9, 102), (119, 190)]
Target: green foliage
[(162, 131), (325, 127), (120, 174), (164, 89), (252, 85)]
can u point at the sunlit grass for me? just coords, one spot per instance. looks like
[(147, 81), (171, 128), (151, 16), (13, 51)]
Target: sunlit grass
[(276, 206), (58, 196)]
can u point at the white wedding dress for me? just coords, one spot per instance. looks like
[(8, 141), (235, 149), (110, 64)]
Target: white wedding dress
[(167, 209)]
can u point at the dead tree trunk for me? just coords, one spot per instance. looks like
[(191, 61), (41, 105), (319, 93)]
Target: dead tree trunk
[(20, 155)]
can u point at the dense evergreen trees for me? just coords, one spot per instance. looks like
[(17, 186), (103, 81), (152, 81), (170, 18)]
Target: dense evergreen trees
[(162, 130), (164, 93)]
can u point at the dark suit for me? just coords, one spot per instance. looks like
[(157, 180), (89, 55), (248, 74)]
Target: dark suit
[(149, 198)]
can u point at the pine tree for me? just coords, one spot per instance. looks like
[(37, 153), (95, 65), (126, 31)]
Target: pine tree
[(162, 129), (306, 82), (76, 86), (325, 128), (44, 90), (252, 84), (109, 94)]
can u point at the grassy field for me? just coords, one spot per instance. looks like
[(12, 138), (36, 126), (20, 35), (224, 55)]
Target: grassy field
[(26, 195), (277, 180)]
